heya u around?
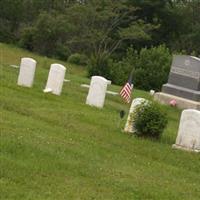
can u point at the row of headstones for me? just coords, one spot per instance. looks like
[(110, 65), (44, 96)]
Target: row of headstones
[(97, 90), (55, 78), (188, 137), (189, 130)]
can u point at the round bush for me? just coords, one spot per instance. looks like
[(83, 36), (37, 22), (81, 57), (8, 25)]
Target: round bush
[(149, 120), (78, 59), (152, 68), (27, 38), (119, 72), (98, 67), (62, 52)]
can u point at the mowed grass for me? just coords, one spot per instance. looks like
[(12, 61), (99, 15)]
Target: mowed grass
[(56, 147)]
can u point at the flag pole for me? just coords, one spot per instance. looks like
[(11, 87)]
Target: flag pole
[(125, 92), (131, 74), (131, 77)]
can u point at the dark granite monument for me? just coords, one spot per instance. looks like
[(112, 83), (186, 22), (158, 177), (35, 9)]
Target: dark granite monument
[(184, 78)]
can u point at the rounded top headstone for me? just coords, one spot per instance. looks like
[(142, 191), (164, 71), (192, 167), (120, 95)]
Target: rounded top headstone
[(193, 111), (97, 91), (99, 78), (189, 131), (59, 66), (130, 120), (27, 59)]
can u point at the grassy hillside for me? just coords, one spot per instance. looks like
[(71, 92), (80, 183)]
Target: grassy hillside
[(56, 147)]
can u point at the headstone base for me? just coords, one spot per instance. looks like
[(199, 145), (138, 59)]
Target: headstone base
[(181, 92), (175, 146), (182, 103)]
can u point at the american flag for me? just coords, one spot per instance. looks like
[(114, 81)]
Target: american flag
[(125, 92)]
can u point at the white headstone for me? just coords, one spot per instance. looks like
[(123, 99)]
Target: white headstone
[(97, 91), (129, 128), (189, 131), (55, 79), (152, 92), (27, 72)]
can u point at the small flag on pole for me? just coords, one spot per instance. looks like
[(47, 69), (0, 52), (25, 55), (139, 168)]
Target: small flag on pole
[(125, 92)]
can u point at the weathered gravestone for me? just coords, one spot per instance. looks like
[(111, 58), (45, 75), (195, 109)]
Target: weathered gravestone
[(189, 131), (27, 72), (183, 82), (129, 127), (55, 79), (97, 91)]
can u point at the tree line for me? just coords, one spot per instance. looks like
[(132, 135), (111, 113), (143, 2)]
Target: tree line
[(101, 30)]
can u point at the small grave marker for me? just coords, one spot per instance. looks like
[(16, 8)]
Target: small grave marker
[(55, 79), (26, 72), (189, 131), (97, 91), (129, 128)]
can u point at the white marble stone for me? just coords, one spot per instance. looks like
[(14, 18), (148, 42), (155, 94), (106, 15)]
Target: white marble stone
[(27, 72), (129, 126), (152, 92), (107, 92), (55, 79), (15, 66), (85, 85), (67, 80), (97, 91), (112, 93), (189, 131)]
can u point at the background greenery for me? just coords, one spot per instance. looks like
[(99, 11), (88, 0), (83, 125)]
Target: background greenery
[(56, 147), (103, 30)]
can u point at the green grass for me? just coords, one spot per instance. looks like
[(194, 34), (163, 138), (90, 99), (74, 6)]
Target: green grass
[(56, 147)]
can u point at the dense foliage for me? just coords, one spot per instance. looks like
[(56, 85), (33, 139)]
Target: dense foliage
[(78, 59), (102, 30), (151, 67), (149, 120)]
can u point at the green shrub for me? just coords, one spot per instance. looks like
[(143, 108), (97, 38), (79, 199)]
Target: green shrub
[(99, 67), (119, 72), (62, 51), (47, 36), (78, 59), (6, 34), (149, 120), (152, 68), (27, 38)]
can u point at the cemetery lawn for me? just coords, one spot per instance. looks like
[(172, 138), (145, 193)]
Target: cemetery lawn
[(56, 147)]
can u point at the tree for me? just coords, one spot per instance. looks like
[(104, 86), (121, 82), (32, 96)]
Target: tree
[(100, 27)]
